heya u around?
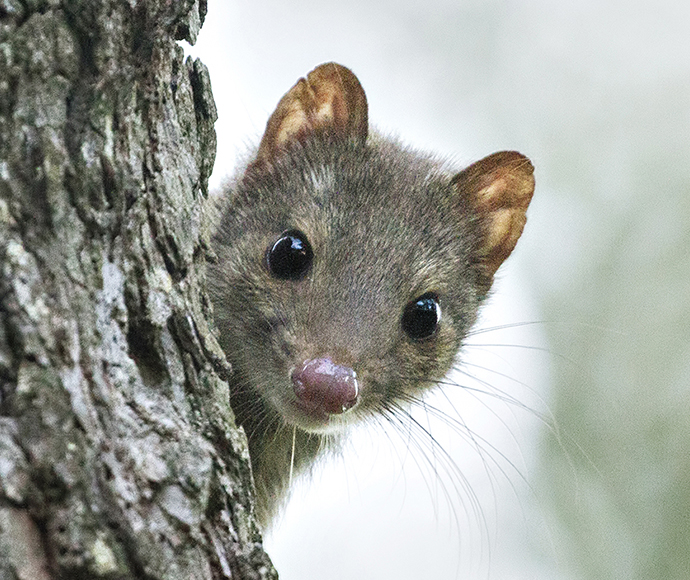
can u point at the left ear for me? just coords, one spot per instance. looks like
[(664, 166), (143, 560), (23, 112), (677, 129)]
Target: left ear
[(499, 188), (329, 99)]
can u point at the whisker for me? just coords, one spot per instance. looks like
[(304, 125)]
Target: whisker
[(398, 415), (484, 330), (569, 324), (483, 444), (547, 419), (292, 454), (511, 345), (499, 394), (467, 432)]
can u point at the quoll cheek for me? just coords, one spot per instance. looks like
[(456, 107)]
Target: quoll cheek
[(429, 360)]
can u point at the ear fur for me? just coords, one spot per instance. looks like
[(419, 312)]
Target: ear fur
[(499, 187), (329, 99)]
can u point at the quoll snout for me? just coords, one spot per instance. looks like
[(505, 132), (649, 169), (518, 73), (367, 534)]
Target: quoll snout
[(323, 387)]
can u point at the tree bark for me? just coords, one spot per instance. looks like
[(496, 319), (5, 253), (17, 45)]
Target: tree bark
[(119, 457)]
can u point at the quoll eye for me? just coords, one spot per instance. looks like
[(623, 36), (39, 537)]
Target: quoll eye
[(291, 256), (421, 316)]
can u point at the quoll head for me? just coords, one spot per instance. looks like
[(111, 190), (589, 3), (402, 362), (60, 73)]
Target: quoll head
[(350, 268)]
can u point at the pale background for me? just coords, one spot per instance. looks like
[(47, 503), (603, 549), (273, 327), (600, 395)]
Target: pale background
[(597, 94)]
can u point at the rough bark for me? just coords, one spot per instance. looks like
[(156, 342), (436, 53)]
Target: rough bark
[(118, 452)]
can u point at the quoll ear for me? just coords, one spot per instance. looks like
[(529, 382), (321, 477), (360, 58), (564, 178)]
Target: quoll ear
[(329, 99), (499, 188)]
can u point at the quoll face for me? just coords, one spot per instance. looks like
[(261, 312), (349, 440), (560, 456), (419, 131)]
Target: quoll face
[(351, 289)]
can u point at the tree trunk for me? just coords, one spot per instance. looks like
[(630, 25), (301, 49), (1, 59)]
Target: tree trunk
[(119, 457)]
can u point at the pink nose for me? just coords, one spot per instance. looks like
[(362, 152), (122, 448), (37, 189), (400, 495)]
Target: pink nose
[(324, 386)]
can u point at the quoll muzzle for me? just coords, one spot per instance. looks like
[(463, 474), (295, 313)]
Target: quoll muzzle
[(324, 387)]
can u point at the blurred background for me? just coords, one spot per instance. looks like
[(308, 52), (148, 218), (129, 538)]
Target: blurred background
[(567, 439)]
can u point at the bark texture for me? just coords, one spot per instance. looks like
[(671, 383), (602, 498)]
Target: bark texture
[(118, 452)]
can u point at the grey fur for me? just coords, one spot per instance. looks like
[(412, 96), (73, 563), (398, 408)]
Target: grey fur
[(386, 225)]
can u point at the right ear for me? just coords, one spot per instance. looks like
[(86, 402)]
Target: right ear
[(499, 188), (330, 99)]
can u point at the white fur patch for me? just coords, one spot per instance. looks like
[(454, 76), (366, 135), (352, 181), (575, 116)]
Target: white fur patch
[(323, 179)]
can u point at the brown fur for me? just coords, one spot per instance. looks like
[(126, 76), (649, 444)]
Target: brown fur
[(387, 224)]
